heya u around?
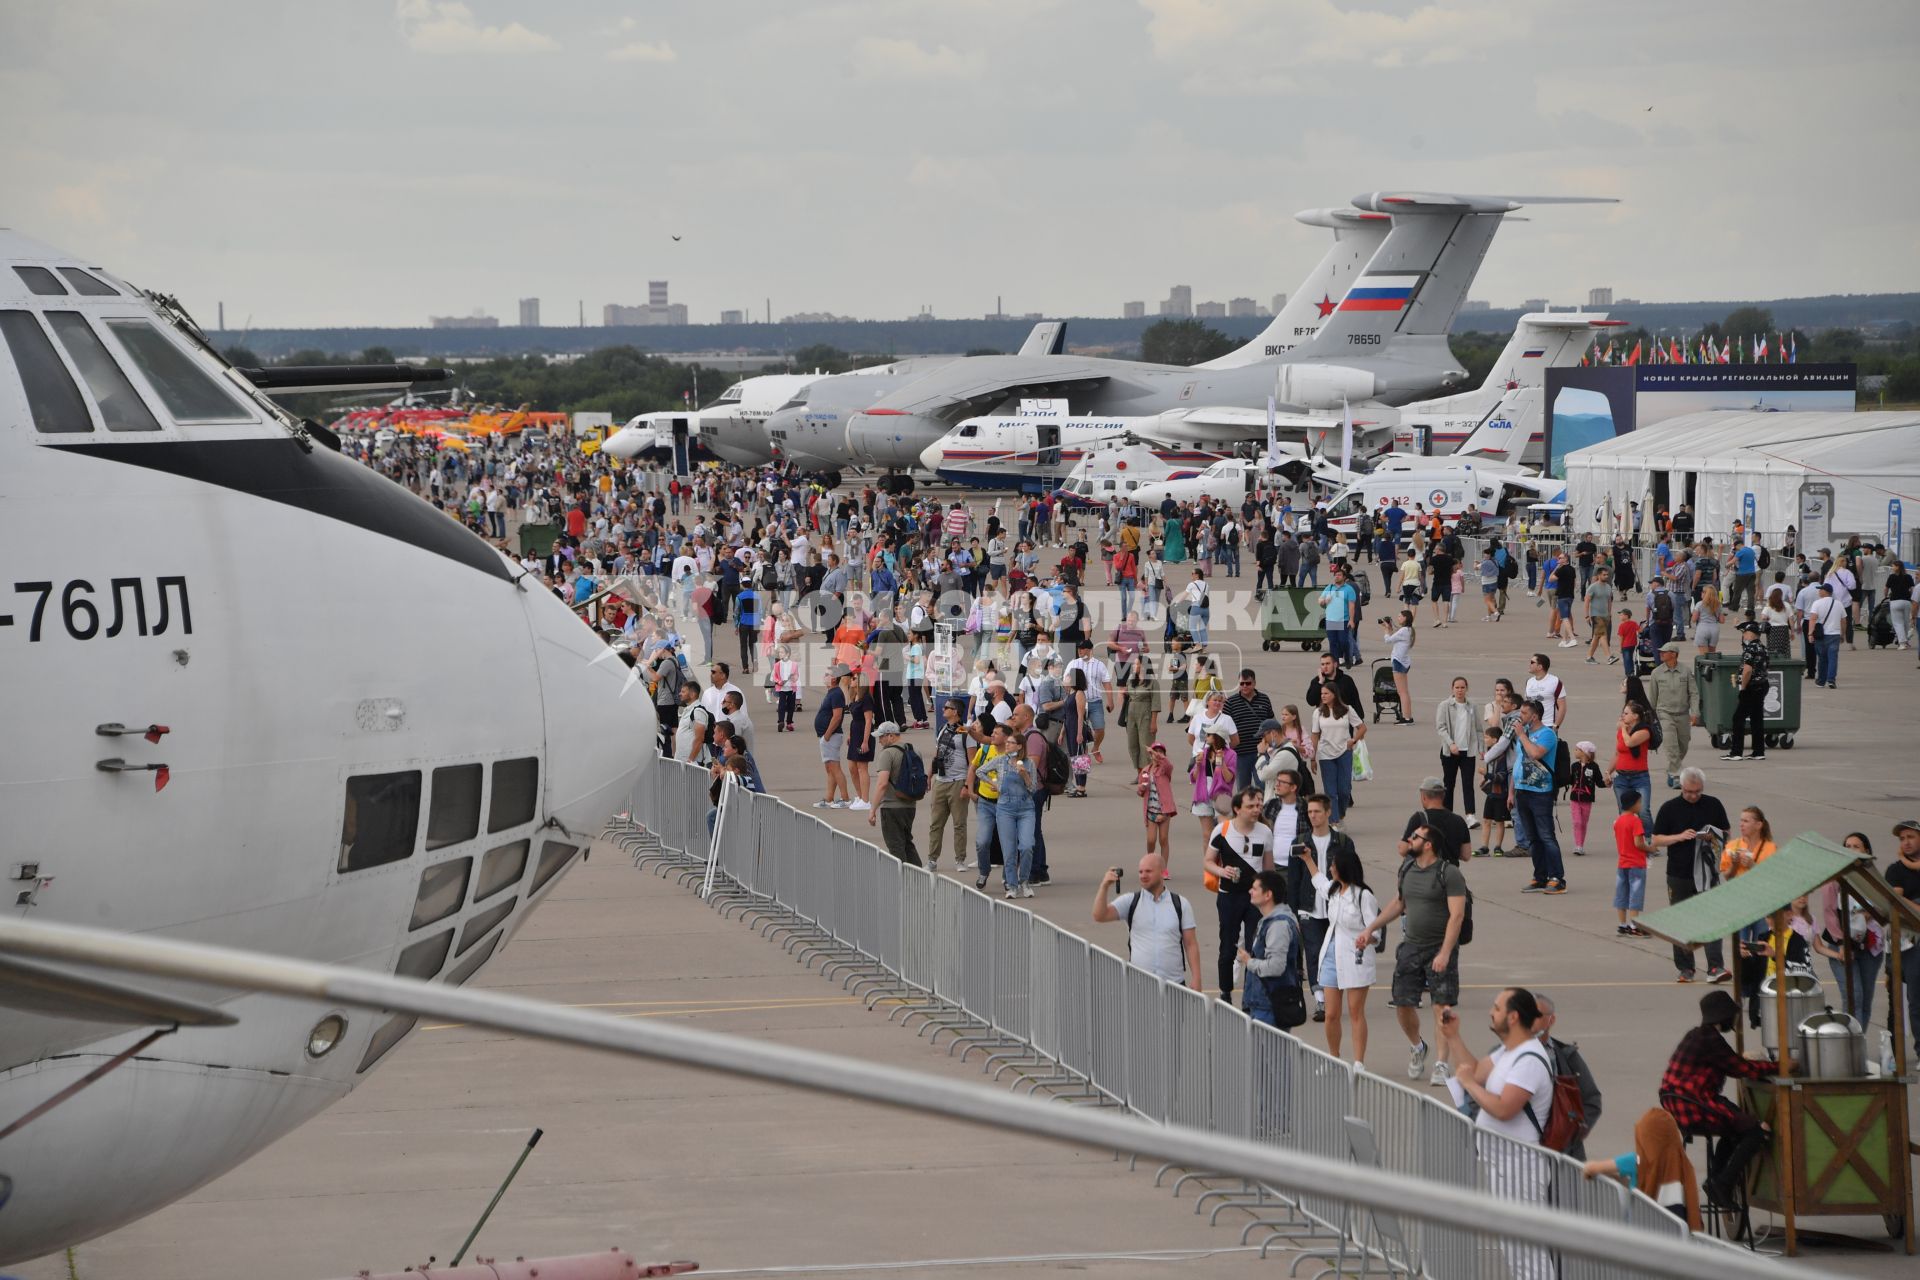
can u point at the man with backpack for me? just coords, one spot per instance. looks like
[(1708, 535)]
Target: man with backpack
[(1541, 766), (1162, 934), (899, 781), (1516, 1090), (1432, 894)]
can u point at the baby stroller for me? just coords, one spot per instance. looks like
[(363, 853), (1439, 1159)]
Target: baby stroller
[(1384, 693), (1880, 626)]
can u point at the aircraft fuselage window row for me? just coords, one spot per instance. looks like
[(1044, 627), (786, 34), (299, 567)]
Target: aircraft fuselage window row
[(42, 283), (188, 393)]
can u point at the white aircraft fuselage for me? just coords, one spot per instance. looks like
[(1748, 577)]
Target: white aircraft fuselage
[(382, 741)]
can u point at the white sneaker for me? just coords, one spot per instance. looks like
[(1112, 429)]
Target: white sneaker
[(1026, 891), (1010, 893), (1441, 1074), (963, 865), (1417, 1061), (859, 804)]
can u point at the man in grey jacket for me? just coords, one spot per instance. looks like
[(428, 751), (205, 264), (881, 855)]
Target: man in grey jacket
[(1458, 726), (1670, 690)]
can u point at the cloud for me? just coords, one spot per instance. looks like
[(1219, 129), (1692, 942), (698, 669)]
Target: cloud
[(449, 27), (1242, 47), (78, 203), (885, 58), (642, 51)]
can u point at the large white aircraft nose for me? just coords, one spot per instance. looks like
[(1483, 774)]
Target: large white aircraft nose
[(932, 456), (602, 733)]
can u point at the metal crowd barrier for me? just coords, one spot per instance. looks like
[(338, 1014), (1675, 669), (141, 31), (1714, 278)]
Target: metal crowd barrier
[(1062, 1014)]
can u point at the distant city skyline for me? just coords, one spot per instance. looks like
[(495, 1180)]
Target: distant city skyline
[(382, 175)]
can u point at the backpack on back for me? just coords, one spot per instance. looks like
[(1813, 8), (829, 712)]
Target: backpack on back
[(1059, 770), (912, 782), (1562, 765), (1466, 914), (1566, 1112)]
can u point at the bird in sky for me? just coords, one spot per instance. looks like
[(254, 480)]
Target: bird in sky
[(676, 238)]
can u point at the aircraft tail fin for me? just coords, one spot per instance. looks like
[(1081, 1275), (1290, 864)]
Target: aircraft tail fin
[(1510, 401), (1049, 338), (1357, 236), (1416, 283)]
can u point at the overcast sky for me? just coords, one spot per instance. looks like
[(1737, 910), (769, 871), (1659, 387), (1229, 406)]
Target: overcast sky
[(371, 162)]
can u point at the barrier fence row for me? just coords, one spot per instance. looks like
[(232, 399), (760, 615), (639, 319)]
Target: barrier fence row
[(982, 975)]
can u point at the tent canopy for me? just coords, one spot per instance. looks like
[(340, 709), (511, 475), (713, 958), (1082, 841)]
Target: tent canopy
[(1866, 457), (1800, 866)]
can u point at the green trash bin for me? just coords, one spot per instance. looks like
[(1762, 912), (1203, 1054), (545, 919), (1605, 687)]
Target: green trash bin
[(1714, 680), (1292, 613), (538, 539)]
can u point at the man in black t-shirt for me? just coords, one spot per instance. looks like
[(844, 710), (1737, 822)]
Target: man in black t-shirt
[(1903, 873), (1583, 553), (1564, 579), (1240, 847), (1450, 837), (1679, 829)]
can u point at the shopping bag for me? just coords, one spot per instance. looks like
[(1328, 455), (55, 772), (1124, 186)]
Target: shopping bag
[(1362, 762)]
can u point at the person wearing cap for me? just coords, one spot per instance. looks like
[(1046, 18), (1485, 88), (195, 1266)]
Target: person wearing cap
[(1750, 708), (1690, 1091), (1903, 873), (1671, 695), (1826, 622), (1099, 681), (1448, 830), (891, 811)]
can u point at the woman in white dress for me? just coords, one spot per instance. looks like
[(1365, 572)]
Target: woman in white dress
[(1346, 968)]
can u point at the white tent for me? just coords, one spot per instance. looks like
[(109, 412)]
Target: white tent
[(1823, 473)]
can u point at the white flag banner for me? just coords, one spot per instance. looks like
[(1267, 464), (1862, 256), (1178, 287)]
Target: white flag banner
[(1346, 436), (1273, 438)]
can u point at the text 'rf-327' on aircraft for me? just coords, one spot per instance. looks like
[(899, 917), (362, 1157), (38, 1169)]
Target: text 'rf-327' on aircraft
[(1384, 341), (241, 709)]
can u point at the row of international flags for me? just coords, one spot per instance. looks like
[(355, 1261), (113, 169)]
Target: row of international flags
[(1759, 348)]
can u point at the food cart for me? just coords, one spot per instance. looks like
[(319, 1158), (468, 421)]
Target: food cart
[(1840, 1146)]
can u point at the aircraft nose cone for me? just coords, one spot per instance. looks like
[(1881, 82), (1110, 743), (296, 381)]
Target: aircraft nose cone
[(930, 457), (600, 724)]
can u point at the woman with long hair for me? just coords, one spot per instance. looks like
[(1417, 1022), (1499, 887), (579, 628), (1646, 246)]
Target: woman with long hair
[(1336, 728), (1632, 739), (1852, 935), (1706, 620), (1346, 968), (1399, 641)]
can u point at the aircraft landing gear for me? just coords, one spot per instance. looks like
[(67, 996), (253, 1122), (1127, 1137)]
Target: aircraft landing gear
[(899, 484)]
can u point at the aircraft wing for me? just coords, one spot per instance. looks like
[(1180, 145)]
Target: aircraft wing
[(1531, 488), (1182, 426), (987, 380)]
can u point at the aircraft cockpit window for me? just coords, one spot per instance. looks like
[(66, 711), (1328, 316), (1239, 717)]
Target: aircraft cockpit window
[(732, 393), (91, 286), (516, 789), (41, 281), (391, 1033), (442, 891), (500, 868), (476, 928), (553, 856), (382, 816), (51, 396), (189, 393), (453, 812), (121, 407), (969, 431), (423, 959)]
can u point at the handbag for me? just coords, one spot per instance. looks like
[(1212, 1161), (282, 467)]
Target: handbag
[(1288, 996)]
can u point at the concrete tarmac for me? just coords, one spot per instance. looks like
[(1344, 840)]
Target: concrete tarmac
[(743, 1176)]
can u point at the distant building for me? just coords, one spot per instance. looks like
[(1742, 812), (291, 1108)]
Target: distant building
[(1626, 302), (1243, 307), (529, 313), (658, 310), (1179, 302), (1534, 304), (1134, 310), (478, 320), (733, 317), (814, 317), (1599, 297), (1476, 304), (1034, 315), (1279, 303), (1211, 310)]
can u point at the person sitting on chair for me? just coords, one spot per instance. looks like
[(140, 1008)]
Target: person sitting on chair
[(1690, 1091)]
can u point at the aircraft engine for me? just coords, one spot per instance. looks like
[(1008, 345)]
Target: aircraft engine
[(1325, 386)]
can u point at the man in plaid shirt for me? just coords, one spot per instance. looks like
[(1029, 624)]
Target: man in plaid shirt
[(1690, 1091)]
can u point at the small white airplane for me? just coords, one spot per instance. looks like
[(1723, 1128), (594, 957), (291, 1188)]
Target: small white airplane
[(732, 428), (1291, 469), (1039, 446), (1493, 489), (257, 696)]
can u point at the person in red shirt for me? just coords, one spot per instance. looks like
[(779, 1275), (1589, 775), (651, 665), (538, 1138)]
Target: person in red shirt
[(1630, 874), (1629, 638), (1690, 1092)]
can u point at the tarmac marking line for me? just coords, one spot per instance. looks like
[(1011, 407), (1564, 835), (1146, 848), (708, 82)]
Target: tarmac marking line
[(676, 1013)]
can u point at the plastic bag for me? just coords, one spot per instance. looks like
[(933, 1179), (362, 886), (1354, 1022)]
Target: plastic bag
[(1362, 762)]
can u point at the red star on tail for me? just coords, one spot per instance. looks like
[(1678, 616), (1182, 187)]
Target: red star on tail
[(1326, 305)]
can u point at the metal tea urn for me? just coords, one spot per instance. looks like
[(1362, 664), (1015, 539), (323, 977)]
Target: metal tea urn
[(1833, 1046)]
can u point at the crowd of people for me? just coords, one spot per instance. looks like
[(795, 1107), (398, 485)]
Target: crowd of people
[(1021, 636)]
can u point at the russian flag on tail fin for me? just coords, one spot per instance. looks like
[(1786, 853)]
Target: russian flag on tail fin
[(1381, 292)]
